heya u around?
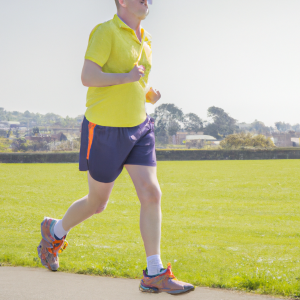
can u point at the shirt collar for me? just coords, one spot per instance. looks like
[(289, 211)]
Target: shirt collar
[(121, 24)]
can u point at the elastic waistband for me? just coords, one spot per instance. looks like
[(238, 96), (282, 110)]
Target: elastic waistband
[(147, 120)]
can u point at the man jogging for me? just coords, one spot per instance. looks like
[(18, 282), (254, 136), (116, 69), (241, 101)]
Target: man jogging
[(117, 132)]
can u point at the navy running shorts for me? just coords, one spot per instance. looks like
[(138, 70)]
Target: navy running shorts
[(105, 150)]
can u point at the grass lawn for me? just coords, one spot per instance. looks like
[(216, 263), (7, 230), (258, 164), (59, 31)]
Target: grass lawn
[(230, 224)]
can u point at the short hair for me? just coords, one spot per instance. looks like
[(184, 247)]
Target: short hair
[(117, 3)]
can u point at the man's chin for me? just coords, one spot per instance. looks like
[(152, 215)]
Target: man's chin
[(145, 16)]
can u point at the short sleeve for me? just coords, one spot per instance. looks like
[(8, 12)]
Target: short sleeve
[(99, 46)]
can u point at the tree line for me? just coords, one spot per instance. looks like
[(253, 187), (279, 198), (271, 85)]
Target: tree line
[(38, 120), (169, 119)]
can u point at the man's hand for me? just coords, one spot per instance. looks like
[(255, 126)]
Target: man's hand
[(153, 96), (136, 73)]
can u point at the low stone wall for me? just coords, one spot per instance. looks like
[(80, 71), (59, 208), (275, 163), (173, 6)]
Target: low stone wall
[(162, 155), (227, 154), (59, 157)]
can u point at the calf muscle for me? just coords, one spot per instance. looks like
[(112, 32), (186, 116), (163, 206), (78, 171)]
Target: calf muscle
[(93, 203)]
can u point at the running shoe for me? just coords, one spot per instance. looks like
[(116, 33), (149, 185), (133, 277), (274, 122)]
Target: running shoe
[(164, 282), (50, 247)]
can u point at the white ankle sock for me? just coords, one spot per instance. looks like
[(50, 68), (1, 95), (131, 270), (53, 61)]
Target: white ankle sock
[(154, 264), (59, 230)]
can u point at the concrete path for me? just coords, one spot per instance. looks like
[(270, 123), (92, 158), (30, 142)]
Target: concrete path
[(28, 283)]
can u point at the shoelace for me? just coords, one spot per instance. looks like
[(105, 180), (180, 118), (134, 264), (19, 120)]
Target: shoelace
[(171, 275), (58, 246)]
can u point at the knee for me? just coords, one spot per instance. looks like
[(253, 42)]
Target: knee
[(151, 195), (101, 208), (96, 203)]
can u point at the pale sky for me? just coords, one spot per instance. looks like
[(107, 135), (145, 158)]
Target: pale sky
[(240, 55)]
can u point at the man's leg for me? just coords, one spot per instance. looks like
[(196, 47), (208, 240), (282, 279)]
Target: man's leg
[(94, 202), (149, 193), (54, 231), (148, 190)]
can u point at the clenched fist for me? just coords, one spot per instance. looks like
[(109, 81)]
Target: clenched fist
[(153, 96), (136, 73)]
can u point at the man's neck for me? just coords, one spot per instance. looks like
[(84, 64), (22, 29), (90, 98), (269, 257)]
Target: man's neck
[(131, 21)]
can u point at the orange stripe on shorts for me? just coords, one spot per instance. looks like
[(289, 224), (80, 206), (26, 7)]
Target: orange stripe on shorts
[(91, 136)]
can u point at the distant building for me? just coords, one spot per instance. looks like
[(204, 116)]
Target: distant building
[(286, 139), (59, 137), (4, 127), (10, 124), (65, 130), (181, 136), (198, 141), (295, 142)]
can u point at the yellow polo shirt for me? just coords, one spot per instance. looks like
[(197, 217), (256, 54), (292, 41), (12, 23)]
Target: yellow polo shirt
[(114, 46)]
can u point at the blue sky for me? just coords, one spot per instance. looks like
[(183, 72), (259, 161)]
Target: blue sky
[(242, 56)]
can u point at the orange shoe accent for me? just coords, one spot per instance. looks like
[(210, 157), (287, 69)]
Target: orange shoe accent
[(63, 247), (91, 136), (58, 246), (171, 275)]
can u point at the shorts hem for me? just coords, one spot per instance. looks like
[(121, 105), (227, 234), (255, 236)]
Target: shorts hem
[(101, 181), (146, 165)]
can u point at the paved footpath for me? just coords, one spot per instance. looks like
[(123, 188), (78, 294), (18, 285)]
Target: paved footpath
[(35, 283)]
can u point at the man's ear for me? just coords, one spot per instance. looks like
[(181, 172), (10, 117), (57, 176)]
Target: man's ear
[(123, 3)]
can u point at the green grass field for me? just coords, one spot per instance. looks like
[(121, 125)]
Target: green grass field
[(229, 224)]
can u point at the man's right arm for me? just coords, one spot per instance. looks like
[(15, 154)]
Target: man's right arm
[(93, 76)]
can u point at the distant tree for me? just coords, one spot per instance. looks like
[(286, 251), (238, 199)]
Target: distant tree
[(19, 144), (174, 126), (296, 127), (222, 124), (69, 122), (259, 127), (192, 123), (168, 111), (51, 118), (35, 130), (2, 114), (38, 146), (17, 133), (161, 129), (27, 114), (79, 119), (35, 119), (168, 119), (38, 119), (283, 127), (63, 137), (212, 129), (239, 140)]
